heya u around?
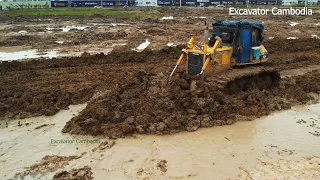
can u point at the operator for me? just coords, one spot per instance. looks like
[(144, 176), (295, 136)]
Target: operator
[(213, 40)]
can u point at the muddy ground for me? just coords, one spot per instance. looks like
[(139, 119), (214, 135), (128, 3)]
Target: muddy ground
[(101, 33), (74, 174), (47, 164), (127, 93), (280, 146), (132, 97), (46, 86), (147, 105)]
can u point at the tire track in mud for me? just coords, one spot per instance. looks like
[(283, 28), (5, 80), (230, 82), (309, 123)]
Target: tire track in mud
[(47, 86), (149, 170)]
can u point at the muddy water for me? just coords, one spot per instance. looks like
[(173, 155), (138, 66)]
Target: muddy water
[(142, 46), (299, 71), (212, 153), (8, 55)]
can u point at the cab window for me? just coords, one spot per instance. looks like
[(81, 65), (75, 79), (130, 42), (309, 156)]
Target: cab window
[(226, 35), (256, 36)]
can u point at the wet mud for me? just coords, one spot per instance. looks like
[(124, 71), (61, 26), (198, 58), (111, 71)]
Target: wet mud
[(151, 105), (74, 174), (43, 87), (46, 86), (47, 164), (253, 147), (128, 93)]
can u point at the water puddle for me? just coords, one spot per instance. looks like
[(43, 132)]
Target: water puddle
[(172, 44), (220, 152), (196, 17), (22, 32), (142, 46), (119, 24), (59, 42), (68, 28), (27, 54), (84, 28), (167, 18), (293, 24), (292, 38), (108, 24)]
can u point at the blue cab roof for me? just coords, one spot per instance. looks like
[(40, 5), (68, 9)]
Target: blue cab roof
[(238, 24)]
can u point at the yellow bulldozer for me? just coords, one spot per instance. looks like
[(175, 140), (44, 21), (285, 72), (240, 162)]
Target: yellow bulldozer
[(233, 43)]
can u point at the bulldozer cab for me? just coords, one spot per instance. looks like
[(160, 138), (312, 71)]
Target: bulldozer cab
[(241, 36)]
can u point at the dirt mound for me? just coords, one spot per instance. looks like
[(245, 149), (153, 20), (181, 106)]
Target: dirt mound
[(43, 87), (291, 45), (46, 86), (22, 101), (150, 105), (74, 174), (47, 164)]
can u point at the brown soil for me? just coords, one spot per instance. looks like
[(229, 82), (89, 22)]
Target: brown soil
[(149, 105), (46, 41), (162, 165), (47, 164), (43, 87), (74, 174), (104, 145), (159, 32), (146, 103)]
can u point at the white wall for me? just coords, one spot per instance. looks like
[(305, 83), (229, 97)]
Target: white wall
[(146, 2), (290, 2)]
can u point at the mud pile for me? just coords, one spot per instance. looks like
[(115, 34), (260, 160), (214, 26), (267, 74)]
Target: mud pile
[(151, 105), (47, 164), (74, 174), (43, 87)]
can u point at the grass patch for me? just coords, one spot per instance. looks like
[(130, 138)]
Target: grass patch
[(80, 12)]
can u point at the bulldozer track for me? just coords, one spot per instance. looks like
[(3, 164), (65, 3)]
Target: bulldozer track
[(237, 80)]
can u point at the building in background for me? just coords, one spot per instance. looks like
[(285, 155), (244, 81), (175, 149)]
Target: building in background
[(109, 3), (265, 2), (90, 3), (301, 2), (146, 2)]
